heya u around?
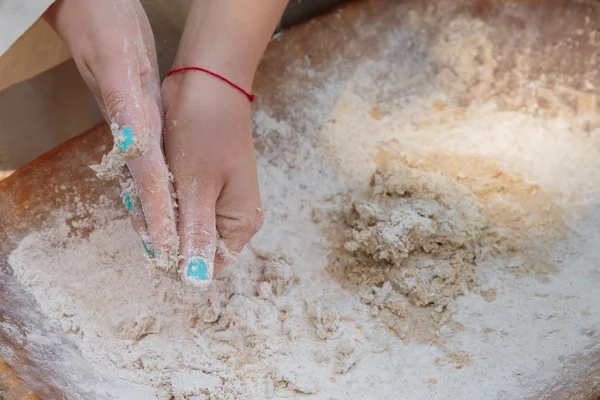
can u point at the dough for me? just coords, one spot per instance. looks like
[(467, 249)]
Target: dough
[(419, 231)]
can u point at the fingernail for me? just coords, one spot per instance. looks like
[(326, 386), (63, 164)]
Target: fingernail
[(198, 270), (127, 201), (126, 138), (151, 253)]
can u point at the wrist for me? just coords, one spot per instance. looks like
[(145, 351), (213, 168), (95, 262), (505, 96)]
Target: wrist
[(215, 75), (229, 67), (228, 37), (199, 90), (214, 39)]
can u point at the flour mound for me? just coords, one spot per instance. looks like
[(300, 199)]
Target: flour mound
[(417, 230)]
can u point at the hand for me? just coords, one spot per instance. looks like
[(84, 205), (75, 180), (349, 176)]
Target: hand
[(209, 147), (112, 44), (208, 138)]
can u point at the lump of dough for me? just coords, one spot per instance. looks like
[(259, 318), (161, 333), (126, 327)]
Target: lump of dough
[(417, 230)]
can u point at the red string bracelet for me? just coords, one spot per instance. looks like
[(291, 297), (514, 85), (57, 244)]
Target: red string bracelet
[(250, 96)]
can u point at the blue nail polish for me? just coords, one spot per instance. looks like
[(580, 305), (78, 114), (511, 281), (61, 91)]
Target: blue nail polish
[(127, 200), (126, 138), (197, 269), (151, 254)]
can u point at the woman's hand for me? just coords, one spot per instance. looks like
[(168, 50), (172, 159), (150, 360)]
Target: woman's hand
[(208, 138), (208, 142), (112, 44)]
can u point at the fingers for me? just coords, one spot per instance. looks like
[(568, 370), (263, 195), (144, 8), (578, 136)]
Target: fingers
[(239, 217), (113, 46), (240, 232), (216, 220), (107, 44), (131, 201), (197, 232), (126, 90), (154, 191), (155, 194), (209, 146), (214, 232), (135, 106)]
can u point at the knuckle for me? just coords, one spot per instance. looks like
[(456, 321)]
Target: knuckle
[(145, 71), (245, 225), (118, 91), (115, 101), (165, 239), (251, 222), (255, 222)]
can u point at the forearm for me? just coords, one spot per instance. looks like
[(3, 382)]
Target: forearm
[(229, 36)]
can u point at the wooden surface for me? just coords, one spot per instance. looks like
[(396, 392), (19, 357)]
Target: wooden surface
[(29, 197), (27, 200), (13, 386)]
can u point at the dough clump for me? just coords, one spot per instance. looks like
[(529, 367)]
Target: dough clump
[(419, 231)]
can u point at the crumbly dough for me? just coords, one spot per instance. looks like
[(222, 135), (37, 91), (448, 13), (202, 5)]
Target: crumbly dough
[(279, 274), (327, 322), (418, 231), (113, 165)]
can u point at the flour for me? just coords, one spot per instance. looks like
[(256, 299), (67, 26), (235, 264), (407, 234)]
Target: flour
[(500, 190), (279, 275), (146, 311)]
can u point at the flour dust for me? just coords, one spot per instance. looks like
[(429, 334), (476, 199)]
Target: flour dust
[(435, 236)]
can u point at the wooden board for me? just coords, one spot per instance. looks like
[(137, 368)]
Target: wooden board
[(27, 200), (29, 197)]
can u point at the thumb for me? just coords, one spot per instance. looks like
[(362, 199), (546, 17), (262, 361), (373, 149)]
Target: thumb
[(131, 105), (126, 107), (107, 44), (198, 235)]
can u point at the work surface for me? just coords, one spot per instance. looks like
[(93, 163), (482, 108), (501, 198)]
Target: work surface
[(387, 73)]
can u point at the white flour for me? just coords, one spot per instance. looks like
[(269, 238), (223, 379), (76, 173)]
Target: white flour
[(281, 324)]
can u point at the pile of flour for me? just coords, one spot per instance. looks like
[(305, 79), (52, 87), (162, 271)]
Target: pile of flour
[(154, 330), (297, 314)]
